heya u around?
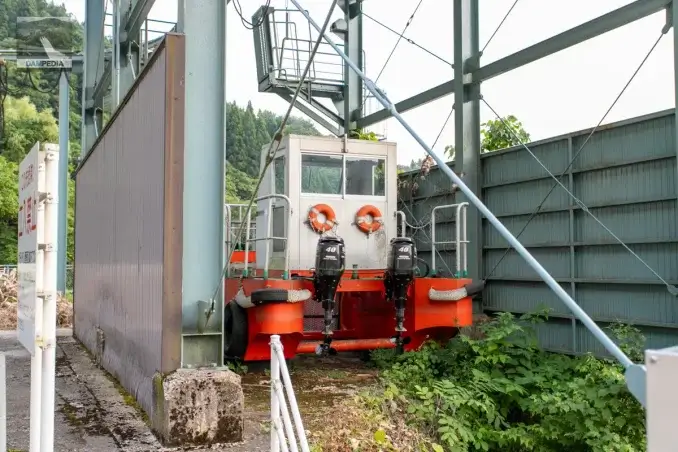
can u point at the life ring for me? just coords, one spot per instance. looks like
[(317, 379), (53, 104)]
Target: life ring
[(330, 218), (361, 219)]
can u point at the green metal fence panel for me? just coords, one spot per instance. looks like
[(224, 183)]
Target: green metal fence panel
[(626, 175)]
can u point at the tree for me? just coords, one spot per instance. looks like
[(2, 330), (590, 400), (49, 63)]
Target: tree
[(247, 133), (497, 134), (449, 152), (9, 205), (502, 133), (24, 125)]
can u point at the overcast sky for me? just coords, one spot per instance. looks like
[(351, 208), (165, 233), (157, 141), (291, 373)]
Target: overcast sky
[(565, 92)]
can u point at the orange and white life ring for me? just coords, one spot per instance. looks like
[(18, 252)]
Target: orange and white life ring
[(327, 212), (362, 216)]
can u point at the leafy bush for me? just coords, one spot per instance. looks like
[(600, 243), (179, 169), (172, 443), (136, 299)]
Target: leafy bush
[(500, 391)]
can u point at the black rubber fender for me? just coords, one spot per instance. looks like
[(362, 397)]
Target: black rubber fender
[(235, 331), (475, 287), (266, 296)]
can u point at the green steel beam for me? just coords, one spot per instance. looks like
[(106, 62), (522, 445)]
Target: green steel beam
[(310, 112), (591, 29), (204, 25), (137, 12), (353, 84), (93, 72), (133, 14)]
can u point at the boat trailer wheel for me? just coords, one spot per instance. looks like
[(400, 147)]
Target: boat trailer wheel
[(235, 331)]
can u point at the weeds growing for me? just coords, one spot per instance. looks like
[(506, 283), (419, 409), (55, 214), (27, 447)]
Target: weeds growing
[(495, 391)]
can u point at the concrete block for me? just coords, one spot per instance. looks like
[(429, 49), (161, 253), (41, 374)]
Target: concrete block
[(196, 407)]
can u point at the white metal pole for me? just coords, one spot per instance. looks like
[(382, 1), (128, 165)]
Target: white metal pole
[(275, 403), (50, 297), (287, 421), (281, 436), (36, 392), (292, 400), (36, 357), (3, 403)]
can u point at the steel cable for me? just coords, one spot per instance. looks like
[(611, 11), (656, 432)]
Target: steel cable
[(499, 26), (273, 148), (584, 208), (401, 35)]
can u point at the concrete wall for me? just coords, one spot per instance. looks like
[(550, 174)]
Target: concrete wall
[(626, 174), (128, 235)]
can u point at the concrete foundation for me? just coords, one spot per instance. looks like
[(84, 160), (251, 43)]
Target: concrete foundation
[(198, 407)]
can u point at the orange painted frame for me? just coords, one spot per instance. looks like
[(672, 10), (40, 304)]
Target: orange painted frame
[(425, 319)]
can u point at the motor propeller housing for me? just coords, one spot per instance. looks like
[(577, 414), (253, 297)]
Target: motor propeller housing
[(399, 275), (330, 262)]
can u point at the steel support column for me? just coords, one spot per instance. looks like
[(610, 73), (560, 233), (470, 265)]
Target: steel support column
[(64, 114), (204, 25), (93, 71), (116, 93), (467, 120), (353, 94), (133, 14)]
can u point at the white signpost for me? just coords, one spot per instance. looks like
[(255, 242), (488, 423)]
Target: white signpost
[(37, 268)]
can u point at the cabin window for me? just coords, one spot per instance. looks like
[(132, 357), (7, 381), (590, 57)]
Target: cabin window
[(321, 174), (365, 176), (279, 175)]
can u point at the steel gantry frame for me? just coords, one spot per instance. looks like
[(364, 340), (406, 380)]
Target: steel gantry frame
[(204, 24), (204, 21), (469, 74)]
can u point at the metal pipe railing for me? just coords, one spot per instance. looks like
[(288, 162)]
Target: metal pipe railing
[(403, 222), (460, 240), (268, 238), (280, 377)]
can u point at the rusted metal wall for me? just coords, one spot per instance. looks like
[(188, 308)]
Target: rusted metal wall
[(128, 231)]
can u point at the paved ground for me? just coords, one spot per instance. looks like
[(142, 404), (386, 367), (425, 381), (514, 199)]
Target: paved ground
[(91, 414)]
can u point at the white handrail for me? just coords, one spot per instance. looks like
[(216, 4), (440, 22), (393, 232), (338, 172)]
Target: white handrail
[(403, 222), (282, 433), (461, 240), (268, 228)]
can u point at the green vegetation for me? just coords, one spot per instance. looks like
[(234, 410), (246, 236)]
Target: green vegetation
[(247, 133), (502, 133), (494, 389)]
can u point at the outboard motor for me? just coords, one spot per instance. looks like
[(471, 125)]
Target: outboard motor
[(399, 275), (330, 261)]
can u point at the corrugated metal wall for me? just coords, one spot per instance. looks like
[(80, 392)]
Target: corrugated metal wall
[(128, 231), (626, 175)]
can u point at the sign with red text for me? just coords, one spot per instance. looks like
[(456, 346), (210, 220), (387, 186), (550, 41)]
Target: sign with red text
[(29, 324)]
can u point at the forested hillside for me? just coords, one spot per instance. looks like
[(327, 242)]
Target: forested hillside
[(28, 113), (247, 132)]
